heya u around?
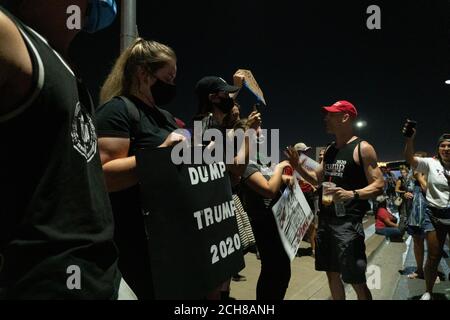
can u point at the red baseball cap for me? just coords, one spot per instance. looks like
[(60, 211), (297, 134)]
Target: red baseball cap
[(342, 106)]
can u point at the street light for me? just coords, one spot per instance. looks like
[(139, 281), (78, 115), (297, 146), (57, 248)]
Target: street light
[(361, 124), (447, 82)]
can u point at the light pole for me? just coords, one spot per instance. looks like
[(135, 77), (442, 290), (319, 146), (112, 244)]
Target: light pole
[(128, 27)]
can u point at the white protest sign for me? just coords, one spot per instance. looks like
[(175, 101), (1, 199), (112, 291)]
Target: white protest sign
[(309, 164), (293, 217)]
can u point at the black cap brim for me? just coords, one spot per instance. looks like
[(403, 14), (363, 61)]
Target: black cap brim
[(229, 89)]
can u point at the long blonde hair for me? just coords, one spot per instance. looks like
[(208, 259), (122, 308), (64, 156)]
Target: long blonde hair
[(149, 54)]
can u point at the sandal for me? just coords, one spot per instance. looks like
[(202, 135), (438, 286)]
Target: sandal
[(416, 275)]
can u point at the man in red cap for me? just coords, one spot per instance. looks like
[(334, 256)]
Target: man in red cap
[(351, 164)]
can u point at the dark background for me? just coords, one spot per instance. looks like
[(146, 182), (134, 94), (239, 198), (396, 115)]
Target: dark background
[(304, 54)]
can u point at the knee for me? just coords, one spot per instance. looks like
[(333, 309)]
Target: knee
[(434, 257), (334, 277), (434, 253)]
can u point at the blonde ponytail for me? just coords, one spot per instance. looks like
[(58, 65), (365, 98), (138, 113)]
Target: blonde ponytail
[(149, 54)]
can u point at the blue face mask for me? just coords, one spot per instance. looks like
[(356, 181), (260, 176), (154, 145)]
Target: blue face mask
[(100, 14)]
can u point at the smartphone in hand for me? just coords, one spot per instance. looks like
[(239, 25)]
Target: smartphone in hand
[(408, 128)]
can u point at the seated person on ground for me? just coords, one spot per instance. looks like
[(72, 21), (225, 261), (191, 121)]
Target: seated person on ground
[(386, 224)]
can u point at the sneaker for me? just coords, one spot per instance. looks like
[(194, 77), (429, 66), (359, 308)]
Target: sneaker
[(426, 296)]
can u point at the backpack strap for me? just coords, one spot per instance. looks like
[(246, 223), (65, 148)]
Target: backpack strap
[(169, 117)]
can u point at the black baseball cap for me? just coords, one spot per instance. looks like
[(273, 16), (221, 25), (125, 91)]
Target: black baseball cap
[(213, 84), (444, 137)]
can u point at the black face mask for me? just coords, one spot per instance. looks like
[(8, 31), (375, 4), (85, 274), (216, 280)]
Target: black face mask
[(163, 93), (225, 105)]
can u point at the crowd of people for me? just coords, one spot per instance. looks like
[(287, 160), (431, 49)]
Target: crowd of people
[(78, 202)]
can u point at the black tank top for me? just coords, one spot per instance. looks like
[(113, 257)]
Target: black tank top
[(55, 216), (341, 168)]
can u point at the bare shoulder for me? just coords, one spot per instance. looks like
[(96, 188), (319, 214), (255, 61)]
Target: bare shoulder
[(367, 149), (15, 65), (368, 153), (10, 40)]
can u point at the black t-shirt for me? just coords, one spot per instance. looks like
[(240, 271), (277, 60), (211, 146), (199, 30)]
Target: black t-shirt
[(255, 204), (55, 215), (153, 127)]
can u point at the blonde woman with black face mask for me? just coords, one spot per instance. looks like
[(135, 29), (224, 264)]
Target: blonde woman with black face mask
[(130, 118)]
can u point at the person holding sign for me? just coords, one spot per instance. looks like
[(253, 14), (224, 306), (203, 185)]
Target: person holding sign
[(142, 79), (352, 176), (215, 103), (215, 111), (261, 190)]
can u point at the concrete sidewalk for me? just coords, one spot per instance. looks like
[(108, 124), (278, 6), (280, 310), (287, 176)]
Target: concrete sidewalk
[(306, 283), (412, 289), (392, 260)]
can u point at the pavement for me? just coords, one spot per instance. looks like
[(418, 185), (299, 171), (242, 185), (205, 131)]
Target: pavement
[(388, 266), (412, 289)]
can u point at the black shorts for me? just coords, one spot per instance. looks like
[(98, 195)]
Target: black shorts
[(341, 248)]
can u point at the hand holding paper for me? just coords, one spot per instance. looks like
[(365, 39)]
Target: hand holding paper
[(254, 120), (239, 78), (245, 78)]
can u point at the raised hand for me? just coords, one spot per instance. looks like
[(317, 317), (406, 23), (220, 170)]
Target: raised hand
[(254, 120)]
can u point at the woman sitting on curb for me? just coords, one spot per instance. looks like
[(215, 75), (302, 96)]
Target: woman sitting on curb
[(386, 224)]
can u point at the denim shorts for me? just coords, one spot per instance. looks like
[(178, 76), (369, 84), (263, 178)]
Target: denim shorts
[(440, 218), (426, 226)]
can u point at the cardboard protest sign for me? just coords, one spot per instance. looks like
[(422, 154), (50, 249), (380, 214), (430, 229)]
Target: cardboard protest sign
[(245, 78)]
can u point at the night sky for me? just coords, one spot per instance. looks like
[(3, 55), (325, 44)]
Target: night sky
[(304, 55)]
